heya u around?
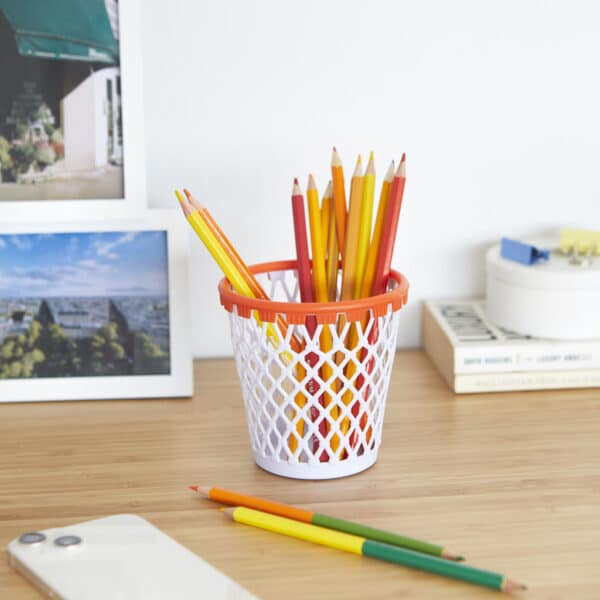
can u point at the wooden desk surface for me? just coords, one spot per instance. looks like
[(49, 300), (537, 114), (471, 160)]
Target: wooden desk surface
[(510, 480)]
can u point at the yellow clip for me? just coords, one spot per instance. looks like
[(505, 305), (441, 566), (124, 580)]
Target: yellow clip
[(580, 241)]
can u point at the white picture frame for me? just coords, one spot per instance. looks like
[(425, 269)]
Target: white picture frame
[(179, 381), (132, 111)]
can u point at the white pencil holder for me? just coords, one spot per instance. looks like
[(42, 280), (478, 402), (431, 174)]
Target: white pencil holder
[(314, 407)]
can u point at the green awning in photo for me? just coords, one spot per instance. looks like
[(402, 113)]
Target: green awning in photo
[(62, 29)]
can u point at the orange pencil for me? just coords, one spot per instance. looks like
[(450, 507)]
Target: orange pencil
[(326, 208), (339, 198), (350, 253)]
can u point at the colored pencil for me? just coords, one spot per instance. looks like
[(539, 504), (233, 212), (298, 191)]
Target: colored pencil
[(367, 286), (339, 198), (373, 549), (319, 276), (369, 275), (224, 260), (332, 259), (320, 291), (390, 228), (352, 231), (349, 262), (306, 295), (302, 257), (239, 264), (326, 208), (307, 516), (366, 216)]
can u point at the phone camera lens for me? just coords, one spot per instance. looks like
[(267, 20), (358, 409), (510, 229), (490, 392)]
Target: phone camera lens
[(33, 537), (67, 540)]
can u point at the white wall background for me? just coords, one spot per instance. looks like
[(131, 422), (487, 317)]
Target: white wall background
[(496, 103)]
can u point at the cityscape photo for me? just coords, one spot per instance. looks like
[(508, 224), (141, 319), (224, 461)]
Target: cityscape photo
[(84, 304), (61, 130)]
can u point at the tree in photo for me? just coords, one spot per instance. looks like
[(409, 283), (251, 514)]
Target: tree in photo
[(148, 358), (19, 354)]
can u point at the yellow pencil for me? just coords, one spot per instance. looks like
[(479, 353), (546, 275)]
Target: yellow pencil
[(366, 215), (317, 243), (356, 544), (371, 264), (225, 263), (320, 284)]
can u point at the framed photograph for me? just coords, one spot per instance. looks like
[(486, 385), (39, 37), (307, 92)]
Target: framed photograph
[(95, 310), (71, 110)]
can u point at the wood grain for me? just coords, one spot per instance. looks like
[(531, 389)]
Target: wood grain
[(510, 480)]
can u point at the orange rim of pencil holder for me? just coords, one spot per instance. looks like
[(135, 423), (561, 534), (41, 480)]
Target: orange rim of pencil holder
[(324, 312)]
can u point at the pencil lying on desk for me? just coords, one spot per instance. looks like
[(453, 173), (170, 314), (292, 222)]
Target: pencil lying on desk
[(361, 546), (307, 516)]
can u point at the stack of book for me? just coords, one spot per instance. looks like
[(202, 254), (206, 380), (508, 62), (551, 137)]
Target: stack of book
[(474, 355)]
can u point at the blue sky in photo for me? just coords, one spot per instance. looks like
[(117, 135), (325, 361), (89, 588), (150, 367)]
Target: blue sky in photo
[(115, 263)]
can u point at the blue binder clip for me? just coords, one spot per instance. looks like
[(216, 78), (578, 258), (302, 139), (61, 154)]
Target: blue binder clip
[(526, 254)]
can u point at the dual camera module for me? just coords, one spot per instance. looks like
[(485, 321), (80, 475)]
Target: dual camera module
[(62, 541)]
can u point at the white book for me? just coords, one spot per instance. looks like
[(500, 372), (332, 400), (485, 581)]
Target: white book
[(532, 380), (474, 355), (467, 342)]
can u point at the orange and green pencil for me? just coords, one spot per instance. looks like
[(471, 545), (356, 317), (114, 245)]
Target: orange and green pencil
[(307, 516)]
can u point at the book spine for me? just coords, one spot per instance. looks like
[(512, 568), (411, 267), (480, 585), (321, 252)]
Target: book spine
[(521, 357), (509, 382)]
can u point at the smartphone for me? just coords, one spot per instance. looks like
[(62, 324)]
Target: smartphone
[(121, 557)]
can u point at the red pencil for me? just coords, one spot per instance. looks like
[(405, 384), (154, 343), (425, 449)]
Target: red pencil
[(303, 260), (390, 227), (305, 283)]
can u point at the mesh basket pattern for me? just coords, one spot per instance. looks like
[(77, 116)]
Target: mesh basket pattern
[(315, 413)]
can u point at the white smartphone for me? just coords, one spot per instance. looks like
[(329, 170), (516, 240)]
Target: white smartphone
[(121, 557)]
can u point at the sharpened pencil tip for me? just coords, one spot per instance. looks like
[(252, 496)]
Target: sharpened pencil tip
[(187, 192), (178, 195), (459, 558), (371, 156), (194, 488), (403, 159), (295, 181), (390, 172)]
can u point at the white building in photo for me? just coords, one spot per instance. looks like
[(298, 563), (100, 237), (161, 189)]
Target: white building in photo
[(91, 120)]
